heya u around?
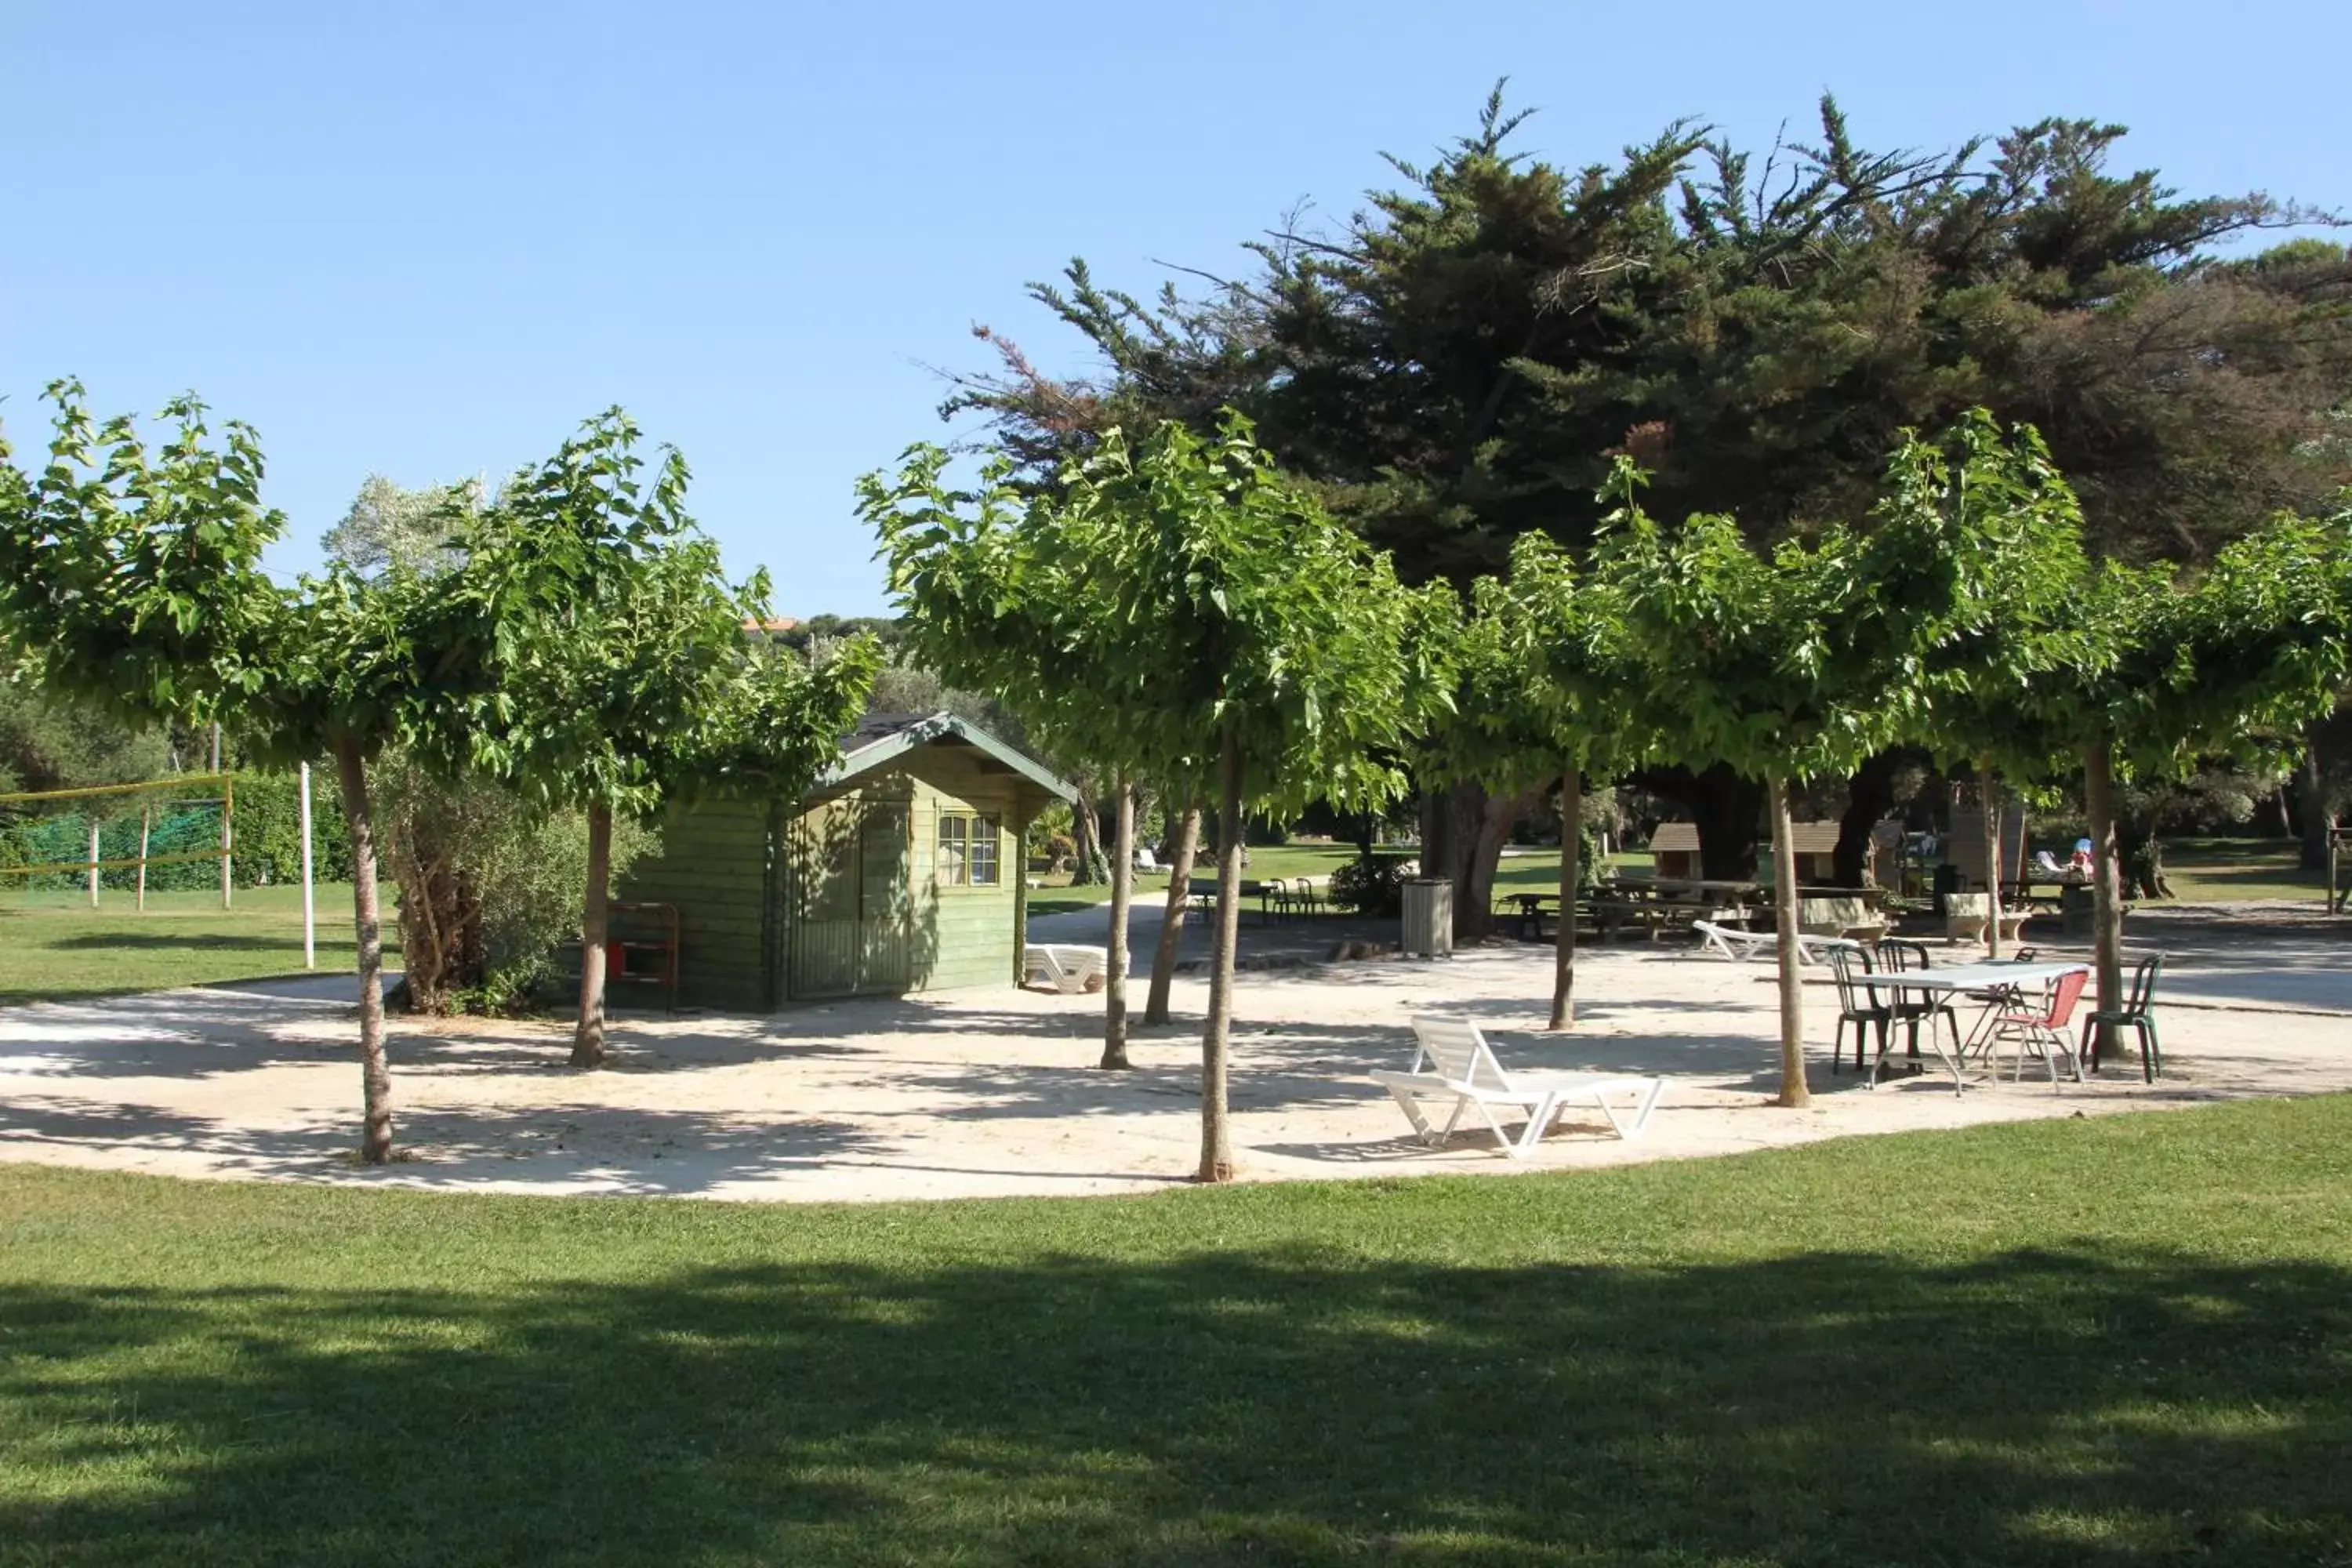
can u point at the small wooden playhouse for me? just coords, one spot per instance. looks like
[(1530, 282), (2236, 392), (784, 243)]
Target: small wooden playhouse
[(900, 871)]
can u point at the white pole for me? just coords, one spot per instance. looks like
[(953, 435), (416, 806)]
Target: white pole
[(146, 824), (228, 809), (93, 862), (310, 915)]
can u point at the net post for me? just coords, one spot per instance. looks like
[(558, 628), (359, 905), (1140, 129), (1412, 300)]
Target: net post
[(228, 813), (93, 862), (310, 915), (146, 826)]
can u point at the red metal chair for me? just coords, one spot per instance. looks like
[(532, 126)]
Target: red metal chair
[(2042, 1032)]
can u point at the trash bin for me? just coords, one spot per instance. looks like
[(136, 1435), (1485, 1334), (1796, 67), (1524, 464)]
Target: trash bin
[(2075, 910), (1429, 918)]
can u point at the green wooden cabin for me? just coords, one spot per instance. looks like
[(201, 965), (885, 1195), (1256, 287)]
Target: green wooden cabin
[(901, 871)]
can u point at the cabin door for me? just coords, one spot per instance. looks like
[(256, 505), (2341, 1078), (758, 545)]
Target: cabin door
[(851, 902)]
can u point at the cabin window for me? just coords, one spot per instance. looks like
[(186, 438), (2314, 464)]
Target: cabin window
[(968, 851)]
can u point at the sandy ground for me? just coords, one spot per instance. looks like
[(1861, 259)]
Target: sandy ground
[(993, 1092)]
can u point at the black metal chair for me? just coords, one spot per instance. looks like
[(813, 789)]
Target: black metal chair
[(2137, 1014), (1903, 955), (1858, 1004)]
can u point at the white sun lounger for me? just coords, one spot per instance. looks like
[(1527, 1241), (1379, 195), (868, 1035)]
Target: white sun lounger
[(1737, 944), (1064, 966), (1455, 1065)]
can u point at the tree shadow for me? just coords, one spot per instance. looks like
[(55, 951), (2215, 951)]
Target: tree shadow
[(565, 1146), (192, 942), (1302, 1405)]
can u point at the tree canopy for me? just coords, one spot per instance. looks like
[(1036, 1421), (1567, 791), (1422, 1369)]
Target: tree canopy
[(596, 657), (1175, 604), (1457, 360)]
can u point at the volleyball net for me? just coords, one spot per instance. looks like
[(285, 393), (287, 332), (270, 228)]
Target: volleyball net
[(70, 846)]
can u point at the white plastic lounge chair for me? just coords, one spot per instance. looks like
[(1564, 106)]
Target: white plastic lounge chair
[(1455, 1065), (1736, 944), (1064, 966)]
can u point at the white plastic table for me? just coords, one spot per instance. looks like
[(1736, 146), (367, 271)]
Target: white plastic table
[(1960, 977)]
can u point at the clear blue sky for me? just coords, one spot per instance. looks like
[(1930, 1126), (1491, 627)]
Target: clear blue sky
[(426, 240)]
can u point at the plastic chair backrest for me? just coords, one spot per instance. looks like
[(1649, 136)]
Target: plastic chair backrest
[(1845, 962), (2143, 985), (1904, 957), (2064, 994), (1458, 1051)]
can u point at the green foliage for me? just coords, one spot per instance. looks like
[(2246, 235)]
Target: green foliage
[(130, 580), (1546, 677), (268, 834), (47, 744), (1455, 361), (2047, 651), (1798, 661), (603, 656), (1371, 885), (491, 883), (1166, 589)]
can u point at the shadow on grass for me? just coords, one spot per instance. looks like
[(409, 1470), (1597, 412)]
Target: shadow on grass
[(2092, 1405), (180, 942)]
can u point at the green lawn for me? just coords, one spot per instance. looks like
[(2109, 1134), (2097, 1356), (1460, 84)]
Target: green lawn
[(2202, 870), (2123, 1339), (51, 951), (1535, 872), (2220, 870)]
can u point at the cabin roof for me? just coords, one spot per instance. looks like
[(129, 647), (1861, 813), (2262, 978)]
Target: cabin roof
[(1813, 837), (1805, 837), (881, 739)]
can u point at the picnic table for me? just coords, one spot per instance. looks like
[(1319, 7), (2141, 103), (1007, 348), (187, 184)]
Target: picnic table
[(1200, 895), (1993, 980), (1530, 911)]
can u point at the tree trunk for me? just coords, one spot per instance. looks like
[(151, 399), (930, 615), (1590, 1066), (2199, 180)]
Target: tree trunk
[(1216, 1140), (1171, 928), (595, 926), (1572, 848), (1793, 1093), (1452, 831), (2281, 817), (2106, 877), (367, 921), (1474, 891), (1870, 795), (1122, 897), (1989, 801), (1090, 869), (2311, 809)]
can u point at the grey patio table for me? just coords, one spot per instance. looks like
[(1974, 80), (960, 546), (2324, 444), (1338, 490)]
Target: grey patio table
[(1962, 978)]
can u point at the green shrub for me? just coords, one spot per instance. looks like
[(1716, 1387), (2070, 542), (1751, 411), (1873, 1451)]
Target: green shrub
[(490, 885), (1372, 888)]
